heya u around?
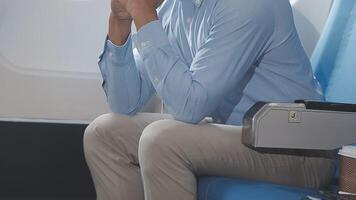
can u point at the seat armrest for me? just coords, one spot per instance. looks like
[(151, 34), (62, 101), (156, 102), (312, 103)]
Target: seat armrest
[(301, 125), (330, 106)]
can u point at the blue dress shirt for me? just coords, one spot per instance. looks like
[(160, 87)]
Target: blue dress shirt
[(212, 58)]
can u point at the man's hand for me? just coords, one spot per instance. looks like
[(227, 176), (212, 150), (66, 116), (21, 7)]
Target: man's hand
[(142, 11), (118, 10), (119, 23), (124, 11)]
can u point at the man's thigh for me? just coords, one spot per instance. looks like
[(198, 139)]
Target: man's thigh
[(214, 149), (117, 133)]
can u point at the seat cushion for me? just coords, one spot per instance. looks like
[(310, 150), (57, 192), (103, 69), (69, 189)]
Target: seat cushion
[(218, 188)]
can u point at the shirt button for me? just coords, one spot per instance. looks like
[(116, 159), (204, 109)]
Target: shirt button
[(156, 80), (198, 2), (111, 55)]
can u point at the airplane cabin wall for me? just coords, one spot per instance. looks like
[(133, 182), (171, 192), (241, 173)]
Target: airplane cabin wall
[(49, 50), (310, 17)]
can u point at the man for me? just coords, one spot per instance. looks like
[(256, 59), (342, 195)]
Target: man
[(203, 58)]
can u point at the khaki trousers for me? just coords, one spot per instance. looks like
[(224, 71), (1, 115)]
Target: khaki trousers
[(152, 157)]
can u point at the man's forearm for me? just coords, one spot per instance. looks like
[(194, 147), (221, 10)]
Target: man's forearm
[(119, 30)]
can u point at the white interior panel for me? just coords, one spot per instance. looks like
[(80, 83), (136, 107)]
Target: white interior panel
[(49, 50), (310, 17), (57, 35), (48, 55)]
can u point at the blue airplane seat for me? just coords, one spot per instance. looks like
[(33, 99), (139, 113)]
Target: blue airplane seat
[(334, 64), (218, 188), (334, 59)]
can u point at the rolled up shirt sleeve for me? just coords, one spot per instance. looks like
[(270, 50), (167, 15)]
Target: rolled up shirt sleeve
[(192, 92), (125, 81)]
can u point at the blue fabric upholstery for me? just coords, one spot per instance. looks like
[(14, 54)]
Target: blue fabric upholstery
[(218, 188), (334, 64), (334, 60)]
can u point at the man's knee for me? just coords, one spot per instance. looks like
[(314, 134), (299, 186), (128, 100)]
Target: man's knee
[(159, 143), (100, 131)]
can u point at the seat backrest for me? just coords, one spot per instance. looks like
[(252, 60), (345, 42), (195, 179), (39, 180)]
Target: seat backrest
[(334, 59)]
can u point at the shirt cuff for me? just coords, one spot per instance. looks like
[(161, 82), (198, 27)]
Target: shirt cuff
[(120, 55), (150, 36)]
